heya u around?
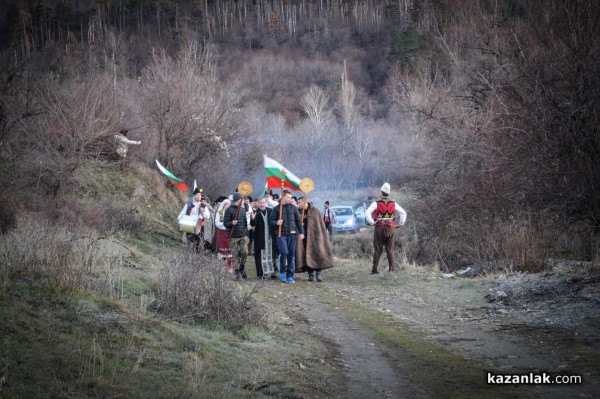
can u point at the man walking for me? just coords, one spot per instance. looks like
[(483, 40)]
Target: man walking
[(328, 218), (264, 238), (236, 222), (382, 214), (291, 227), (313, 253)]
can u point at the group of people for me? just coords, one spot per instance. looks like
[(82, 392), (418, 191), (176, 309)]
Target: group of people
[(293, 229), (287, 236)]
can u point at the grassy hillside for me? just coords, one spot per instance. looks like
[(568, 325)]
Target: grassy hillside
[(82, 312)]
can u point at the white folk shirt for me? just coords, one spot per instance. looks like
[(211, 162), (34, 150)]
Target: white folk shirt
[(369, 213)]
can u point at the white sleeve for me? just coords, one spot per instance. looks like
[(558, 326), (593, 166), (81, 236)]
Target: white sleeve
[(218, 222), (182, 213), (369, 212), (122, 139), (401, 213)]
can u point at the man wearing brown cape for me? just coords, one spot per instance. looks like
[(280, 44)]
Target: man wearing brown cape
[(313, 254)]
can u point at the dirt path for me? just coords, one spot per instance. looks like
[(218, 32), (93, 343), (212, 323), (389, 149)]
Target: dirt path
[(488, 338), (460, 321), (368, 372)]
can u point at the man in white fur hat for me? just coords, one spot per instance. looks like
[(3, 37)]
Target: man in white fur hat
[(382, 214)]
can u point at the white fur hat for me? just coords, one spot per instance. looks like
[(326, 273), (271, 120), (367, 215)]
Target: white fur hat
[(386, 188)]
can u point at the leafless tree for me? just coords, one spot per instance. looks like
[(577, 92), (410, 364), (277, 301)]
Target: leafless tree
[(349, 111), (316, 105), (502, 124), (189, 113), (76, 122)]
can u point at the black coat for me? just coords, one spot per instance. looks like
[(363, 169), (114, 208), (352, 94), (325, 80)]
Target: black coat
[(241, 228), (292, 223), (259, 229)]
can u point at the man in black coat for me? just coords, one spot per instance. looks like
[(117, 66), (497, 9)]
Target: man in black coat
[(264, 236), (235, 221), (291, 230)]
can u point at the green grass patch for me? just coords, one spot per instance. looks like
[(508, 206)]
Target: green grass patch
[(442, 373), (57, 343)]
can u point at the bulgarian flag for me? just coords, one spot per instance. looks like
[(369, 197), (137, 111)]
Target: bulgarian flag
[(177, 182), (276, 173), (264, 193)]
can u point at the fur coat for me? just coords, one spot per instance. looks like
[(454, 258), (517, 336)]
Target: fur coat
[(315, 250)]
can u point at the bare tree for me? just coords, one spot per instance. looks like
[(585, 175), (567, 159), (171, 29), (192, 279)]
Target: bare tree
[(501, 125), (316, 105), (76, 122), (189, 113), (349, 112)]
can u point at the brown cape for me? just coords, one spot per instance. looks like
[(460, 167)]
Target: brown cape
[(318, 254)]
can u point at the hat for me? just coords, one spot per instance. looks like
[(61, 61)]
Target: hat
[(236, 197), (197, 190), (386, 188), (326, 202)]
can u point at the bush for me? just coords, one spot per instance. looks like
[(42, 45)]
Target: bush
[(353, 246), (43, 253), (360, 246), (198, 289)]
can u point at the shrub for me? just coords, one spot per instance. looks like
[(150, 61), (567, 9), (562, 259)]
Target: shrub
[(353, 246), (40, 252), (195, 288), (123, 219)]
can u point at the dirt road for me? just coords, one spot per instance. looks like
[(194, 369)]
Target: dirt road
[(361, 317)]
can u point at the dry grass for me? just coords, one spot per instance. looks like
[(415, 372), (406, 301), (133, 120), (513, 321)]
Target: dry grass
[(197, 288), (43, 253)]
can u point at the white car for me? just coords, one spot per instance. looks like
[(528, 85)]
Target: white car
[(346, 219)]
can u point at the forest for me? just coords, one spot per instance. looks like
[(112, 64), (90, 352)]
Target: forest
[(482, 114)]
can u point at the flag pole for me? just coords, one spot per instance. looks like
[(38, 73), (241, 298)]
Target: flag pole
[(306, 201), (281, 200)]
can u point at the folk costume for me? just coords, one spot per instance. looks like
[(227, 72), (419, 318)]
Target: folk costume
[(208, 226), (223, 250), (121, 143), (192, 208), (329, 218), (382, 214), (314, 253)]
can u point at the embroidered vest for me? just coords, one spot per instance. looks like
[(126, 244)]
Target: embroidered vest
[(386, 209)]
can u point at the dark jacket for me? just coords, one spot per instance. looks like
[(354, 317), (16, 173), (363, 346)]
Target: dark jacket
[(259, 228), (292, 223), (241, 228)]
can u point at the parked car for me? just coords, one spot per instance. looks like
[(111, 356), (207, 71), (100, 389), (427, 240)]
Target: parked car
[(346, 219), (359, 214)]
